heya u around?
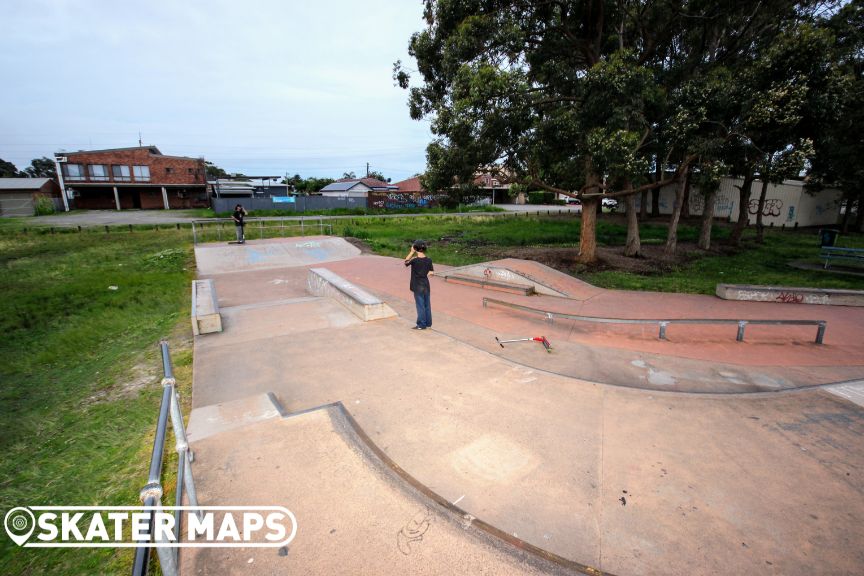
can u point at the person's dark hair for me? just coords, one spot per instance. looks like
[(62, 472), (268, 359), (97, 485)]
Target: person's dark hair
[(238, 206), (420, 246)]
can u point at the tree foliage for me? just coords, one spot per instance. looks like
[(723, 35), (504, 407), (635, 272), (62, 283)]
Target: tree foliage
[(9, 170), (590, 97), (42, 168)]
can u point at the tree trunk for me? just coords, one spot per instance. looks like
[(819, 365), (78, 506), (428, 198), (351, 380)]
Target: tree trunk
[(859, 217), (655, 193), (707, 220), (743, 211), (672, 235), (588, 233), (634, 245), (760, 227), (643, 206), (844, 221), (685, 204)]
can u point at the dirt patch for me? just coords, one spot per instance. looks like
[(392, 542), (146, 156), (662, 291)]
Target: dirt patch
[(147, 371), (361, 244), (651, 261)]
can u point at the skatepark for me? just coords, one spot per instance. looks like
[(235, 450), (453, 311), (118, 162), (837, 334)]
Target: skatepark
[(442, 451)]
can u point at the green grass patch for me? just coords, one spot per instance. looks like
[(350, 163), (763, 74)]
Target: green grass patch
[(81, 316), (765, 264)]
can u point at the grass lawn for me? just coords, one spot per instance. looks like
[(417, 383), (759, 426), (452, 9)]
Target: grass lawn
[(459, 241), (80, 372), (79, 363)]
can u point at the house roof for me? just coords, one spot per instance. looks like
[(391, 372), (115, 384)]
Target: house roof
[(153, 150), (370, 182), (346, 184), (410, 185), (22, 183), (340, 186)]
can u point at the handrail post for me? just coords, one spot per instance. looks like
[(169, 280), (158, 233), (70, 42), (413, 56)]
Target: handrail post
[(820, 332), (663, 330), (741, 325)]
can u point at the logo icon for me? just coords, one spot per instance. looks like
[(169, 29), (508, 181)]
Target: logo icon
[(19, 523)]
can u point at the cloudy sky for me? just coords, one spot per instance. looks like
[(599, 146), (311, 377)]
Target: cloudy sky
[(255, 86)]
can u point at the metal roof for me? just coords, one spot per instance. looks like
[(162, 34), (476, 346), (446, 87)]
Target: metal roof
[(22, 183), (341, 186)]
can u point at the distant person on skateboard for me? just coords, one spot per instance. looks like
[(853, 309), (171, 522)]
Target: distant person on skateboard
[(421, 269), (239, 213)]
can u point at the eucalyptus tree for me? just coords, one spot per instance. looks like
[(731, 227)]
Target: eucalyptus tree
[(839, 144), (575, 97)]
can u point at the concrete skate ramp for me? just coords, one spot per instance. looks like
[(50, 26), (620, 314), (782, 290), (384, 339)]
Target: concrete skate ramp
[(357, 512), (219, 258), (543, 279)]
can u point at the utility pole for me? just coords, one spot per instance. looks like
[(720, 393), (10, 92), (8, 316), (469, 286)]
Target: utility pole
[(139, 139), (367, 169)]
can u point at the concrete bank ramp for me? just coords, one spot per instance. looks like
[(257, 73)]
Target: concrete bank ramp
[(222, 257), (356, 512)]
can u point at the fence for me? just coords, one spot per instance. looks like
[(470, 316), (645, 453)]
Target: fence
[(300, 203), (224, 229), (663, 323), (151, 494)]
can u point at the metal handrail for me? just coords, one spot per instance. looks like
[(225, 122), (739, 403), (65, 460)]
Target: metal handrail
[(218, 224), (151, 493), (663, 323)]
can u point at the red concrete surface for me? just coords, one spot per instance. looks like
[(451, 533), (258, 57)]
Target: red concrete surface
[(763, 345)]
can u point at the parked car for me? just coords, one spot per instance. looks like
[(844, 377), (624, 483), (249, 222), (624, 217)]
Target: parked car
[(610, 203), (575, 203)]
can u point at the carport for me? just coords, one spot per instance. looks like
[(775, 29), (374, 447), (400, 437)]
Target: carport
[(18, 195)]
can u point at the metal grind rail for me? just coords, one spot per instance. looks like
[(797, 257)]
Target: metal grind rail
[(663, 323), (151, 494), (224, 227)]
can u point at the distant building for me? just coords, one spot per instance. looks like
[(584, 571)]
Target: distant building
[(18, 195), (247, 187), (357, 188), (139, 177)]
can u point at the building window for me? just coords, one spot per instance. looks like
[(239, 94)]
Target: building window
[(121, 173), (98, 172), (169, 170), (191, 170), (73, 171), (142, 173)]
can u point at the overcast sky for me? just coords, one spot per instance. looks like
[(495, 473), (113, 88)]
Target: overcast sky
[(255, 86)]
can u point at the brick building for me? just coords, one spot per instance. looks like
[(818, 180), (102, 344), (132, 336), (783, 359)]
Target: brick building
[(139, 177)]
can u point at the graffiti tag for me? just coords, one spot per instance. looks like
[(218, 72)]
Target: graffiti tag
[(772, 207), (790, 298)]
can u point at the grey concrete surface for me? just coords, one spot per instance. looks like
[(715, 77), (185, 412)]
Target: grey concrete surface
[(353, 515), (627, 480)]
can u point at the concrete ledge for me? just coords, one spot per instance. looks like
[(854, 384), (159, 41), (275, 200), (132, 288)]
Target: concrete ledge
[(323, 282), (205, 308), (791, 295)]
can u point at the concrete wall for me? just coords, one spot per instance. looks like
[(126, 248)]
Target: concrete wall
[(785, 204)]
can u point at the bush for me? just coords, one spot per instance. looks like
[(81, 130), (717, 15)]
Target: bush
[(540, 197), (44, 205)]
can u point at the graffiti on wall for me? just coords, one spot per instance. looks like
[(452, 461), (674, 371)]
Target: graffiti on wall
[(772, 207), (402, 200)]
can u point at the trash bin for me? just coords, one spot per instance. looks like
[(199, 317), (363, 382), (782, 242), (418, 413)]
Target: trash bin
[(828, 236)]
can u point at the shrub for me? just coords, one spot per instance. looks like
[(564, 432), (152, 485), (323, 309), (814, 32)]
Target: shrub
[(44, 205)]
